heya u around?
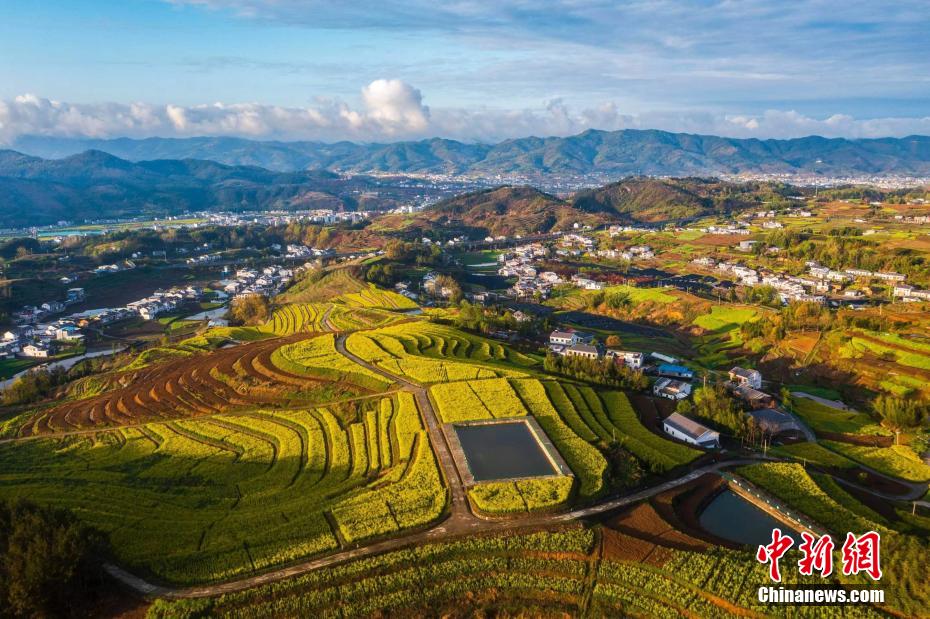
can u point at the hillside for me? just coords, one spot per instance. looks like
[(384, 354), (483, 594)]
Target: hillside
[(605, 153), (94, 185), (653, 200), (500, 211)]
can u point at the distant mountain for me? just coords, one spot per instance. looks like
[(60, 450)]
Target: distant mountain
[(95, 185), (601, 153), (500, 211)]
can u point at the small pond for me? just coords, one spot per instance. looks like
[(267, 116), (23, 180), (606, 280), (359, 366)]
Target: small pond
[(732, 517), (503, 451)]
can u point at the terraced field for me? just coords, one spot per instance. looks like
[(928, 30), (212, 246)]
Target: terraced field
[(196, 384), (316, 317), (578, 420), (240, 492), (429, 353), (573, 572), (722, 334)]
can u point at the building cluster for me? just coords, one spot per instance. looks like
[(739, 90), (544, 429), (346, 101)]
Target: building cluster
[(812, 287), (268, 281), (282, 218), (164, 301), (574, 244), (105, 269), (40, 340), (521, 262), (728, 229), (572, 343), (432, 286), (302, 251), (616, 230), (636, 252), (31, 314)]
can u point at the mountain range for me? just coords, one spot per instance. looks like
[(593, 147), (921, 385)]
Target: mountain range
[(599, 153), (98, 185)]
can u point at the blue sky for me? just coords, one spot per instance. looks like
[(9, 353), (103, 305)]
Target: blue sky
[(467, 69)]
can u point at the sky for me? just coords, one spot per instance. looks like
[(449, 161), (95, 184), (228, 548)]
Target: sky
[(472, 70)]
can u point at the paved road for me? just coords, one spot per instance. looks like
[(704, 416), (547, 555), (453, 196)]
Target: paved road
[(460, 512)]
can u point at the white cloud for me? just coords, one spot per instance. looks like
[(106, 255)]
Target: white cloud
[(394, 110)]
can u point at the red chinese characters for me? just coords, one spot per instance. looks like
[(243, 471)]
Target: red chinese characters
[(771, 553), (816, 555), (861, 554)]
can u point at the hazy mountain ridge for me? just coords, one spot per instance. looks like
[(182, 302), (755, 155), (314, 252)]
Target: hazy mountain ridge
[(618, 153), (95, 184)]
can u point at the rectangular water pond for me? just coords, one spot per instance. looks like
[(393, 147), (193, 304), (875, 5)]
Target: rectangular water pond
[(503, 450)]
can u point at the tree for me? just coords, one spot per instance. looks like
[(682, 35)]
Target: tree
[(613, 341), (250, 309), (898, 413), (49, 562)]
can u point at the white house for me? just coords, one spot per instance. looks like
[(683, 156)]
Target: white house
[(38, 351), (671, 389), (632, 360), (564, 338), (690, 431), (746, 378)]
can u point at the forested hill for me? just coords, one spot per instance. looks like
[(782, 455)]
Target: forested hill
[(95, 185), (610, 153)]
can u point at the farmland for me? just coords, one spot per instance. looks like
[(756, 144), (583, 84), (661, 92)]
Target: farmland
[(428, 353), (822, 418), (522, 495), (829, 504), (178, 382), (896, 461), (334, 476), (578, 420)]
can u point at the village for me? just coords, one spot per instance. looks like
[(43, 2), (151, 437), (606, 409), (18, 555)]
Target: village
[(672, 380), (40, 332)]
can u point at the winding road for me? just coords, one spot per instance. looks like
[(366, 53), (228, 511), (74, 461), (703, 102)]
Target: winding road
[(461, 521)]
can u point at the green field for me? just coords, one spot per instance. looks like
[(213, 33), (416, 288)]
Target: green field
[(236, 493), (813, 453), (722, 334), (896, 461), (822, 418), (522, 495), (578, 420), (430, 353)]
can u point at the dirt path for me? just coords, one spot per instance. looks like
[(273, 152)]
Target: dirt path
[(835, 404)]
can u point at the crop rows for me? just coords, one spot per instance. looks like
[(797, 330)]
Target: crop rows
[(201, 384), (583, 458), (480, 399), (238, 492), (429, 353), (297, 317), (317, 357), (549, 568), (374, 297), (507, 497)]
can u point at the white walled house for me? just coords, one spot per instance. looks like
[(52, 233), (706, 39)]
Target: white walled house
[(746, 378), (564, 338), (690, 431), (671, 389)]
